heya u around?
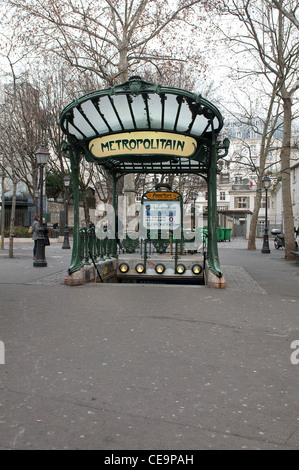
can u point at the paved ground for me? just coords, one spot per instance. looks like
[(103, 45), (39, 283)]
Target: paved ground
[(149, 367)]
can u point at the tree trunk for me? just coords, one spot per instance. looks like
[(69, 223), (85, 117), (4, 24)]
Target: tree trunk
[(265, 145), (129, 180), (255, 214), (12, 219)]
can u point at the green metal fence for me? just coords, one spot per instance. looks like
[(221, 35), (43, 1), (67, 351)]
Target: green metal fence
[(91, 246), (104, 246)]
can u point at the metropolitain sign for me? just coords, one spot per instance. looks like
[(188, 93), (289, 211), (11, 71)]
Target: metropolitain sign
[(143, 143)]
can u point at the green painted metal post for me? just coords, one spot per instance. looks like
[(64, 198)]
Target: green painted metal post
[(213, 259), (182, 226), (145, 253), (76, 261), (114, 246), (176, 255)]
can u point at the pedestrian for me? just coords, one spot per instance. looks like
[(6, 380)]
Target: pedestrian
[(35, 229)]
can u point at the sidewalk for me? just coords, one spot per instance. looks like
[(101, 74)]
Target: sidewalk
[(270, 271), (157, 367), (19, 269)]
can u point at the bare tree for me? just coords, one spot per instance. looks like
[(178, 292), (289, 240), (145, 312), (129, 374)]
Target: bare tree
[(260, 116), (287, 9), (268, 37), (269, 127), (111, 38), (7, 146)]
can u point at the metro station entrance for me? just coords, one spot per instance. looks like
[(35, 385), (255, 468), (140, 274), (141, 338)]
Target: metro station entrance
[(140, 127), (167, 252)]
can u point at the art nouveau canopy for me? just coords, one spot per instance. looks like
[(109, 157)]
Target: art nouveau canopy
[(142, 127)]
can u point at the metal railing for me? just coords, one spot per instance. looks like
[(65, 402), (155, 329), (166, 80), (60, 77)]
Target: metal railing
[(91, 246), (102, 246)]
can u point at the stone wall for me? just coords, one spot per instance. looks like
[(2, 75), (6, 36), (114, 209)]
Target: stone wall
[(55, 208)]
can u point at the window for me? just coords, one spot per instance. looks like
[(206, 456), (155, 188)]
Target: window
[(222, 195), (241, 202)]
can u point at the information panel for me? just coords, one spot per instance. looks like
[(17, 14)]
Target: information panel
[(164, 215)]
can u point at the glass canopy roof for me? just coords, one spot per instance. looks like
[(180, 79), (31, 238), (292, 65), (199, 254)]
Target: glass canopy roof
[(142, 127)]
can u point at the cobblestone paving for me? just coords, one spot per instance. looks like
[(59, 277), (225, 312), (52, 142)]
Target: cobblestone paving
[(54, 278), (239, 280)]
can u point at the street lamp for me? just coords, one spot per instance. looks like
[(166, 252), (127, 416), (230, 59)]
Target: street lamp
[(266, 182), (42, 156), (66, 244)]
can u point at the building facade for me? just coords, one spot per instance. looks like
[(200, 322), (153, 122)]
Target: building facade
[(237, 181)]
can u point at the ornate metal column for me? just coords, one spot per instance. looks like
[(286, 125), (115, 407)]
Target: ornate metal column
[(213, 259), (114, 200), (66, 244), (69, 152)]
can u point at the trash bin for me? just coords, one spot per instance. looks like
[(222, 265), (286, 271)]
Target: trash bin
[(220, 234), (227, 234)]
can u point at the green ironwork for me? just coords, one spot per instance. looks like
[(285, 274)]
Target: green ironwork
[(145, 254), (176, 255), (138, 106), (130, 244), (92, 246), (161, 245), (73, 154), (114, 180), (140, 127), (212, 254)]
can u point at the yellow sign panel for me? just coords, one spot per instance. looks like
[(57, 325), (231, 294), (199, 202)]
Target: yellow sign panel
[(143, 143), (162, 195)]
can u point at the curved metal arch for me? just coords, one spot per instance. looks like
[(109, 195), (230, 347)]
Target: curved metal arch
[(117, 119), (136, 87), (138, 106)]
